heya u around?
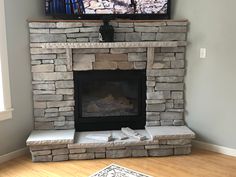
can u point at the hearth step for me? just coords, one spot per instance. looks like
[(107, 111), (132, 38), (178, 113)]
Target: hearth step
[(61, 145)]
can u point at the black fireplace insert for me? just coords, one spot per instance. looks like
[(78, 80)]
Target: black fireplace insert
[(110, 100)]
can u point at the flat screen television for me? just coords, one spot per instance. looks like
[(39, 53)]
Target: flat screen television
[(100, 9)]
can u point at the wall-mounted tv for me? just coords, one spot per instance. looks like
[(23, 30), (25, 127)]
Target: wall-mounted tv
[(100, 9)]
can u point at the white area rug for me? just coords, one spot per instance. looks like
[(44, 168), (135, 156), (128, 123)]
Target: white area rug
[(114, 170)]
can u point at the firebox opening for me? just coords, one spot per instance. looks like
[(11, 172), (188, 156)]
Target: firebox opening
[(110, 100)]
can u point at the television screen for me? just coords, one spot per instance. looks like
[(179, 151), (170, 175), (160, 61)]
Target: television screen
[(118, 8)]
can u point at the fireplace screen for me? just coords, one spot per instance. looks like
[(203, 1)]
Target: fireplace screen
[(107, 98)]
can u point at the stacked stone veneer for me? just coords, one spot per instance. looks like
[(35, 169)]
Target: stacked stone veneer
[(53, 87)]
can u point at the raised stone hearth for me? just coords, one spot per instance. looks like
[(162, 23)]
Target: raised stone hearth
[(59, 48), (160, 141)]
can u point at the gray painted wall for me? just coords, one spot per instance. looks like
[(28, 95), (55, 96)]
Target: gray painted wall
[(13, 133), (210, 82)]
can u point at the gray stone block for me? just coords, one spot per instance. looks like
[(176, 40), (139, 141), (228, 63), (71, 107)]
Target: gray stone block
[(140, 65), (68, 24), (60, 68), (53, 76), (170, 79), (182, 150), (146, 29), (59, 158), (126, 25), (42, 25), (161, 65), (177, 95), (36, 62), (43, 68), (42, 152), (83, 57), (48, 97), (137, 57), (124, 30), (139, 153), (133, 37), (51, 110), (171, 37), (153, 123), (60, 151), (85, 156), (44, 87), (170, 132), (167, 72), (39, 31), (173, 29), (159, 23), (118, 153), (43, 92), (169, 86), (96, 149), (67, 113), (77, 151), (49, 115), (64, 84), (83, 35), (153, 116), (89, 29), (178, 123), (46, 158), (177, 23), (154, 146), (179, 142), (171, 116), (64, 109), (155, 107), (177, 64), (47, 61), (160, 152), (47, 147), (47, 38), (173, 49), (166, 122), (40, 51), (43, 57), (100, 155), (119, 37), (65, 91), (159, 95)]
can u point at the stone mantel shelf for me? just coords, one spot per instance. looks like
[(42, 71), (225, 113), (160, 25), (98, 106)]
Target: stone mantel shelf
[(91, 45)]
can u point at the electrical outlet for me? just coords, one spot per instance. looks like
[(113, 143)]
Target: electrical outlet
[(203, 53)]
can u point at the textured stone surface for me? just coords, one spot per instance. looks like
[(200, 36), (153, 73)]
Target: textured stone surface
[(46, 158), (182, 150), (170, 132), (59, 158), (50, 137), (118, 153), (160, 152), (85, 156)]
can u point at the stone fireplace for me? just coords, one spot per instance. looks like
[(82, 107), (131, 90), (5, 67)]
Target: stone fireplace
[(83, 84)]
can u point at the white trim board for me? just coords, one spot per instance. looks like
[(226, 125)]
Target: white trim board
[(215, 148), (13, 155)]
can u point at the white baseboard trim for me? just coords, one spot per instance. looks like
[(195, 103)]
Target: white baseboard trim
[(13, 155), (214, 148)]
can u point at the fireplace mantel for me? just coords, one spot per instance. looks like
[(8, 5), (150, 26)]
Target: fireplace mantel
[(102, 45)]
